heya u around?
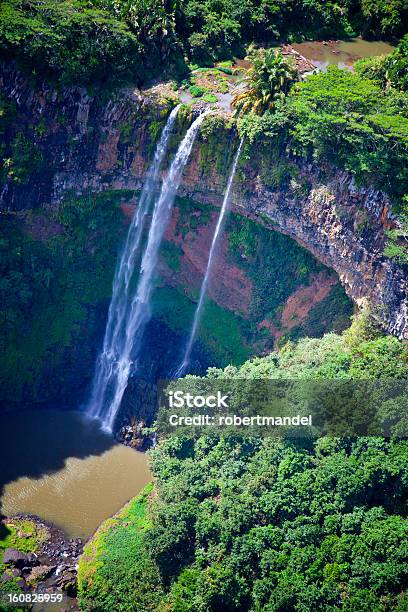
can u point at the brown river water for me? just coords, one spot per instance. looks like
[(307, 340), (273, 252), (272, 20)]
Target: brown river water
[(63, 468), (342, 53)]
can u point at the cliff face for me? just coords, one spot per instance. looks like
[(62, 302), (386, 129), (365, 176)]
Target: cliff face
[(343, 226), (91, 143)]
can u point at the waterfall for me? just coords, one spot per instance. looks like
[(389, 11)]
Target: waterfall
[(118, 309), (197, 315), (129, 310)]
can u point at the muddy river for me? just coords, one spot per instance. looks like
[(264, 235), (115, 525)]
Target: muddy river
[(64, 469)]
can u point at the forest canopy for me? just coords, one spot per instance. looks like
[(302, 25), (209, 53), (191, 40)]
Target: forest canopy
[(94, 41), (244, 523)]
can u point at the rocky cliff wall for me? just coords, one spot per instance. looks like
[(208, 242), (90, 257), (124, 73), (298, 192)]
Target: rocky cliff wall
[(90, 142)]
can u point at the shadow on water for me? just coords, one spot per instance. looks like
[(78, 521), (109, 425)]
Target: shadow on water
[(60, 466), (37, 443)]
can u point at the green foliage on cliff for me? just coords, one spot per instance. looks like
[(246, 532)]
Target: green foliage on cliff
[(47, 291), (25, 159), (56, 274), (354, 121), (268, 80), (273, 266), (223, 334), (20, 157), (346, 120), (244, 523), (333, 313), (278, 266)]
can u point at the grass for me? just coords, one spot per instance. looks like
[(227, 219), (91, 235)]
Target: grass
[(23, 535), (115, 570), (210, 98)]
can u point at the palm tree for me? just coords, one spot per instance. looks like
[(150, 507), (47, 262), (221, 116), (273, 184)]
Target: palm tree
[(268, 80)]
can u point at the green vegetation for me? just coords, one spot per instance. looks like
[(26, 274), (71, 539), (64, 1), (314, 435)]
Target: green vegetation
[(380, 17), (260, 252), (332, 313), (191, 215), (387, 70), (196, 91), (267, 81), (86, 42), (113, 41), (24, 161), (397, 243), (48, 294), (211, 98), (223, 334), (206, 82), (171, 254), (56, 274), (356, 121), (114, 564), (209, 31), (20, 157), (344, 119), (23, 535), (244, 523)]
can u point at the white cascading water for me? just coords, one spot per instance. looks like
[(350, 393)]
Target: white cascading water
[(129, 312), (200, 304), (118, 309)]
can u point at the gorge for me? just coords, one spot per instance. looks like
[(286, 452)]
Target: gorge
[(99, 154), (106, 147), (214, 219)]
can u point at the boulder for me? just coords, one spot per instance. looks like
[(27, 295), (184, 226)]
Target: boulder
[(39, 573), (14, 557), (10, 574), (32, 559)]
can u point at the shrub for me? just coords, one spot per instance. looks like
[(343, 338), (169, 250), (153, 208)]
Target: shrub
[(196, 91)]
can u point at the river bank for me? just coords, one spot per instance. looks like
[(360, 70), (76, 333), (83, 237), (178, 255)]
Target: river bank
[(41, 558), (61, 477)]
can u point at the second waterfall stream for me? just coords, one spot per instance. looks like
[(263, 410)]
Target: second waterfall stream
[(129, 310), (200, 304)]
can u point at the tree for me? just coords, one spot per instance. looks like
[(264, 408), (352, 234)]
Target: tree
[(268, 80)]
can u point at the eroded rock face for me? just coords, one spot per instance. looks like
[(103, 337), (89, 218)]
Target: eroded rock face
[(97, 144), (229, 286), (344, 228)]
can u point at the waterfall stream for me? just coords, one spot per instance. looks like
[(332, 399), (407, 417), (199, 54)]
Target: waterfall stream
[(200, 304), (129, 310)]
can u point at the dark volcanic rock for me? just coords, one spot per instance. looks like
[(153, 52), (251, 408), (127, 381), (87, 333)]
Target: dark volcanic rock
[(10, 574), (53, 566), (14, 557)]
